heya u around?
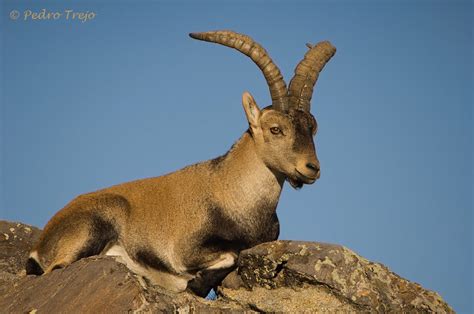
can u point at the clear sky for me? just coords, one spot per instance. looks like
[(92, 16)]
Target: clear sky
[(128, 94)]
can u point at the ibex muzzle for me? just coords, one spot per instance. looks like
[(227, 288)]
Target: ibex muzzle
[(184, 230)]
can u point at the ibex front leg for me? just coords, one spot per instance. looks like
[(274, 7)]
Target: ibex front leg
[(212, 274)]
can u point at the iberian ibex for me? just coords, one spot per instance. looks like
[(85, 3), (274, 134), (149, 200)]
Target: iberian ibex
[(184, 230)]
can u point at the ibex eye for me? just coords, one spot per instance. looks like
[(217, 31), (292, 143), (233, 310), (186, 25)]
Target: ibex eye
[(275, 130)]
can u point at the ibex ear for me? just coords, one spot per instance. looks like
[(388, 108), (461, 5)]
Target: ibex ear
[(251, 110)]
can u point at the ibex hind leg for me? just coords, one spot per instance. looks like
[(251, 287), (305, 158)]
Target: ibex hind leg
[(59, 244), (77, 236), (83, 228)]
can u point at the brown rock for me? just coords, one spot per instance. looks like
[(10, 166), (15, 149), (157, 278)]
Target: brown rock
[(91, 285), (301, 276), (99, 285), (16, 240), (280, 276)]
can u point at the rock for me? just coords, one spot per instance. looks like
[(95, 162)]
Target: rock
[(16, 239), (280, 276), (100, 284), (292, 276), (94, 284)]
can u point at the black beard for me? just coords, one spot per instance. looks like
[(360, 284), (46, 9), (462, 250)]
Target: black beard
[(295, 183)]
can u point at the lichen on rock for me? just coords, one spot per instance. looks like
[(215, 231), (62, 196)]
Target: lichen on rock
[(279, 276), (330, 272)]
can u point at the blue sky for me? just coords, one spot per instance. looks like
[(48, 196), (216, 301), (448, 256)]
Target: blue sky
[(128, 94)]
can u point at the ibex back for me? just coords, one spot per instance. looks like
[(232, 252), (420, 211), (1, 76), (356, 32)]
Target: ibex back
[(185, 230)]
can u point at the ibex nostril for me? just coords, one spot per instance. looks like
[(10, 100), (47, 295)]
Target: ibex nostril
[(312, 166), (207, 191)]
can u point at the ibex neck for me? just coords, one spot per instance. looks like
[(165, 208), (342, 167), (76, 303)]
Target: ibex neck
[(243, 183)]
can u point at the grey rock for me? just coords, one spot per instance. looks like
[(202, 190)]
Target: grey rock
[(91, 285), (280, 276), (16, 239), (100, 285), (297, 276)]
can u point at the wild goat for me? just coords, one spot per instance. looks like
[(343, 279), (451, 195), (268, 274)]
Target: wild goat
[(184, 230)]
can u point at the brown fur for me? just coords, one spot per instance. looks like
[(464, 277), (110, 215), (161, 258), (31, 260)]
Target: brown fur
[(182, 223), (184, 230)]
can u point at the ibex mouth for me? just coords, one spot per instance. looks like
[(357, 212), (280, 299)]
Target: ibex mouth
[(299, 179), (306, 179)]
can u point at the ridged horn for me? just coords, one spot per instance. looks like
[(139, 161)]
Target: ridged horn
[(259, 55), (307, 71)]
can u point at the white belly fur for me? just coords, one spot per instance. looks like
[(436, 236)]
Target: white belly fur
[(165, 280)]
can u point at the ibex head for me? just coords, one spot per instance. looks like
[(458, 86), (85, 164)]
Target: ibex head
[(283, 132)]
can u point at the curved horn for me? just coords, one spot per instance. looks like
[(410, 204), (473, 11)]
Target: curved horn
[(307, 71), (259, 55)]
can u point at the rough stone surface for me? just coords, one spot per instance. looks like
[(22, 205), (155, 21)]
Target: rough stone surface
[(90, 285), (16, 240), (307, 275), (280, 276), (99, 285)]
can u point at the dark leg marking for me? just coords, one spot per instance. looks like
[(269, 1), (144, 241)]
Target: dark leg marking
[(215, 243), (207, 279), (33, 268), (101, 233), (150, 259)]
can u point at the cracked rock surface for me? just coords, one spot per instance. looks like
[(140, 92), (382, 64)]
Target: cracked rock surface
[(280, 276), (309, 275), (90, 285), (99, 285), (15, 242)]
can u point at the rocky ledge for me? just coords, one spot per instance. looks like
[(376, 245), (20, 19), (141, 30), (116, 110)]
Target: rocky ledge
[(280, 276)]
